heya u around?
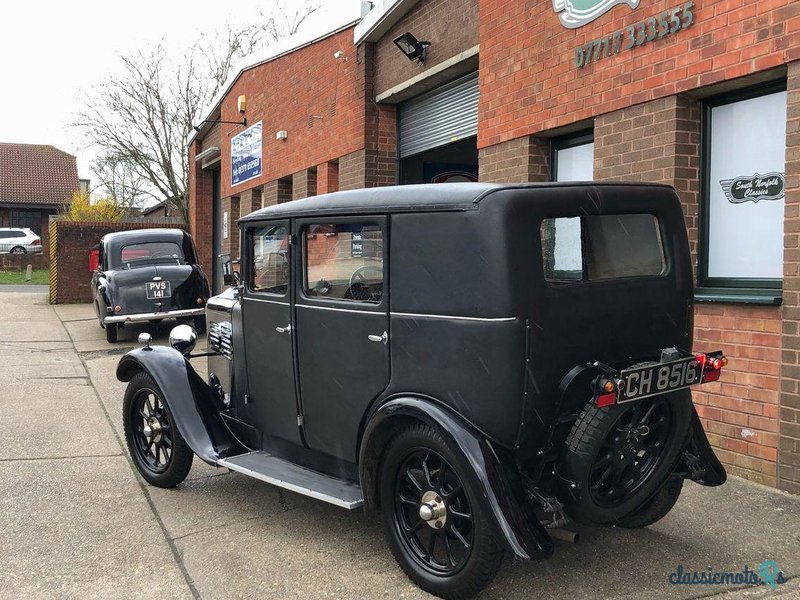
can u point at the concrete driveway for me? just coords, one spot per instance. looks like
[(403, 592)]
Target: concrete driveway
[(76, 521)]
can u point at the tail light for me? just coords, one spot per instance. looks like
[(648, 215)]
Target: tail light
[(712, 367), (37, 242), (608, 391)]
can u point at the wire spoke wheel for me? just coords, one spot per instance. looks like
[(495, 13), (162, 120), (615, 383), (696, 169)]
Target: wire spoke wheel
[(631, 450), (433, 516), (152, 439)]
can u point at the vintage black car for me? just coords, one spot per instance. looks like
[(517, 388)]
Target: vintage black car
[(481, 363), (148, 275)]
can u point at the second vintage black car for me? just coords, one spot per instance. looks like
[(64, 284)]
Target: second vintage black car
[(482, 364), (148, 275)]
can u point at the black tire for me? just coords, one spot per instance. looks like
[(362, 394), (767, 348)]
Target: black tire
[(200, 324), (657, 507), (99, 318), (464, 556), (617, 457), (111, 332), (18, 250), (144, 405)]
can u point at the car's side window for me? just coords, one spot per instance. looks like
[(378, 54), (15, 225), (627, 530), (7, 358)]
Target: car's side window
[(269, 253), (344, 261)]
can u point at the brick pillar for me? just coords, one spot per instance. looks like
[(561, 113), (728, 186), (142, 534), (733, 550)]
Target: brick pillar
[(376, 164), (249, 200), (304, 183), (230, 244), (201, 193), (277, 191), (516, 161), (789, 415), (657, 142), (328, 177)]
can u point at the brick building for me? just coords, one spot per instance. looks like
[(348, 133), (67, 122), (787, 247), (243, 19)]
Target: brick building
[(35, 182), (703, 95)]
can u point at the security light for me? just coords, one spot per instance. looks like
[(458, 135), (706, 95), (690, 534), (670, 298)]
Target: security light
[(412, 47)]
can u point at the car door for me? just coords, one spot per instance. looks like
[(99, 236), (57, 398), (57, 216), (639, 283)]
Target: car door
[(342, 326), (271, 401)]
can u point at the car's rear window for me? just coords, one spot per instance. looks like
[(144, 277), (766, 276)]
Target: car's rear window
[(600, 247), (147, 253)]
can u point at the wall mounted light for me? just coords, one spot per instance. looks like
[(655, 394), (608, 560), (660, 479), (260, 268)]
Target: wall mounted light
[(281, 135), (412, 47), (241, 103)]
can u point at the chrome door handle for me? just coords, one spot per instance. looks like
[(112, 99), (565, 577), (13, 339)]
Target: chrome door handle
[(384, 337), (287, 329)]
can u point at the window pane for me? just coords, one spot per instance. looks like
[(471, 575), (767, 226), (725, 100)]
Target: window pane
[(576, 163), (601, 247), (345, 261), (747, 164), (270, 252)]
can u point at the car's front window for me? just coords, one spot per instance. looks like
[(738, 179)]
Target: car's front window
[(149, 253), (269, 249)]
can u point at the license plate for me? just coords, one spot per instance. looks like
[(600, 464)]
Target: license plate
[(157, 289), (651, 380)]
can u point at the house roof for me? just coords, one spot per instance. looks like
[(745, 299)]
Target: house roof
[(36, 174)]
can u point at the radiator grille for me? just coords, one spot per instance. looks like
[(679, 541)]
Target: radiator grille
[(220, 338)]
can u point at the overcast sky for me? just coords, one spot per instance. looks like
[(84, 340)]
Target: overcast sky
[(53, 53)]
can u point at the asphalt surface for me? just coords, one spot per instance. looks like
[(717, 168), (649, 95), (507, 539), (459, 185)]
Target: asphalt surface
[(77, 522)]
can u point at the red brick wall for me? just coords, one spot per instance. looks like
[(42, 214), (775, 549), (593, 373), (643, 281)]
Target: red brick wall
[(740, 412), (450, 25), (286, 94), (529, 82), (70, 243)]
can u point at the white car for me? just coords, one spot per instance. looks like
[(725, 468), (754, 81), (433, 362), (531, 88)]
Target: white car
[(19, 240)]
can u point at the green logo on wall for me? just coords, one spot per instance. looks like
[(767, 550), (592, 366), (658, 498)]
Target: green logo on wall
[(576, 13)]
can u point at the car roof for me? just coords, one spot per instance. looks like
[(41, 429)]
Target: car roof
[(143, 235), (430, 197)]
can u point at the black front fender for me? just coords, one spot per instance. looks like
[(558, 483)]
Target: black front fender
[(194, 407), (500, 501)]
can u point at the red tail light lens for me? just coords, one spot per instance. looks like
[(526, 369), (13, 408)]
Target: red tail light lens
[(606, 399), (37, 242)]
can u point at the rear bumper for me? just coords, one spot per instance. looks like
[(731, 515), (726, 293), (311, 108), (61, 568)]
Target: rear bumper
[(167, 314)]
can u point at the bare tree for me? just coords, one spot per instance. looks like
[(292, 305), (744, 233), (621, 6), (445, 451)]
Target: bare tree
[(143, 118), (121, 181)]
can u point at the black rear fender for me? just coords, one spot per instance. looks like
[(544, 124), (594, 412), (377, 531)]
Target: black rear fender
[(194, 406), (501, 501)]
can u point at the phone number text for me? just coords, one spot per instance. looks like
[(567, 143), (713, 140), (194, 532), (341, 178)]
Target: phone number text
[(638, 34)]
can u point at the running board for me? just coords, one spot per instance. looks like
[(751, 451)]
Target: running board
[(290, 476)]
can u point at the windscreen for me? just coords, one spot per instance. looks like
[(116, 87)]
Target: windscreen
[(601, 247)]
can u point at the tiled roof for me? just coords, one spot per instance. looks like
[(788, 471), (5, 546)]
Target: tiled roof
[(36, 174)]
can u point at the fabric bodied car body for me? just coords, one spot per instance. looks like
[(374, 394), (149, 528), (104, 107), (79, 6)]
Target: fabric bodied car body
[(148, 275), (454, 355), (19, 240)]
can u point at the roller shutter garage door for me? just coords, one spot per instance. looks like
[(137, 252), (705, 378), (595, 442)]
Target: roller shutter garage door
[(442, 116)]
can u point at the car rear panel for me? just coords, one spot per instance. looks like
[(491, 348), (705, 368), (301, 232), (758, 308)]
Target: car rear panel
[(617, 321)]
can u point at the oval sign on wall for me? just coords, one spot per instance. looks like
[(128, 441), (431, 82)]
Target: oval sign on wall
[(769, 186), (576, 13)]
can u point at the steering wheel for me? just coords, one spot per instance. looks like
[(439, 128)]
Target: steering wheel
[(358, 288)]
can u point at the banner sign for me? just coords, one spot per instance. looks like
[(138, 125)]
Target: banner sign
[(769, 186), (246, 154)]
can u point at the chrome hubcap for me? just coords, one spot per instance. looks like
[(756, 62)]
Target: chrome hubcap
[(152, 429), (433, 510)]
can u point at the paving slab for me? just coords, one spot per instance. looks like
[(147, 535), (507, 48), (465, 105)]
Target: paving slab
[(26, 312), (81, 528), (75, 312), (45, 420), (32, 331), (40, 291)]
